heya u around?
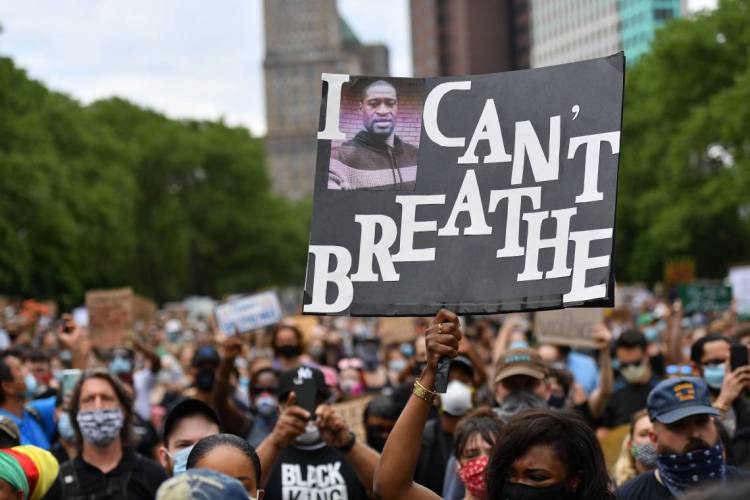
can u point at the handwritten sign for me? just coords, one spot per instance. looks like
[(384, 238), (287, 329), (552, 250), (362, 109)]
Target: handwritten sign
[(248, 313), (571, 327), (699, 297)]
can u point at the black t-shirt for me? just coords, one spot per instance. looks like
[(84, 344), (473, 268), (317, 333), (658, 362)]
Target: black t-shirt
[(437, 446), (646, 487), (625, 401), (315, 472), (145, 478)]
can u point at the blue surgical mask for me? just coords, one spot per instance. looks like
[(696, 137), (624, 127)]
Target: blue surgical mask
[(64, 427), (396, 365), (31, 386), (266, 405), (714, 375), (652, 334), (120, 365), (519, 344), (179, 460)]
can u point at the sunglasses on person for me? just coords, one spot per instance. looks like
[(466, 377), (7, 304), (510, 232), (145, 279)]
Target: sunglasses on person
[(679, 370)]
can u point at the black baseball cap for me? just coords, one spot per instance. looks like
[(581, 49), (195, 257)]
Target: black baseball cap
[(185, 408), (677, 398), (298, 377)]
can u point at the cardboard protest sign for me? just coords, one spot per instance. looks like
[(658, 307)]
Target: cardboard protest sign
[(144, 309), (248, 313), (739, 277), (679, 271), (396, 330), (110, 316), (571, 327), (483, 194), (704, 297), (352, 412)]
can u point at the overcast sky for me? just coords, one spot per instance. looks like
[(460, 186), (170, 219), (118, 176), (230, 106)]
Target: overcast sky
[(185, 58)]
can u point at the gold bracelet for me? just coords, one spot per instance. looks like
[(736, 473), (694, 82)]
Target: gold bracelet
[(423, 393)]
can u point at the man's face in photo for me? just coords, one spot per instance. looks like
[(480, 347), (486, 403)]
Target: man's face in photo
[(379, 109)]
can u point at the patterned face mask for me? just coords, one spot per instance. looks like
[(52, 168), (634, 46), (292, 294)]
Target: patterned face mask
[(680, 471), (100, 427), (645, 454), (472, 474)]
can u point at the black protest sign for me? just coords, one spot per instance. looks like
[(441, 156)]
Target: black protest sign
[(482, 194)]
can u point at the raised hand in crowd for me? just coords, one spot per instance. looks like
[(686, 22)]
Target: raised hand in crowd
[(598, 399), (393, 476), (74, 338), (734, 384), (291, 424)]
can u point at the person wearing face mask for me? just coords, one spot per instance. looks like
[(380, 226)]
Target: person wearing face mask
[(351, 378), (187, 422), (689, 451), (264, 382), (379, 417), (638, 453), (313, 454), (64, 448), (709, 356), (437, 437), (287, 342), (548, 454), (35, 419), (476, 435), (106, 467), (521, 382), (204, 363), (635, 382)]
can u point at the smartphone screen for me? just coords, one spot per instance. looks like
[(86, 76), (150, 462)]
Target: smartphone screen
[(69, 380)]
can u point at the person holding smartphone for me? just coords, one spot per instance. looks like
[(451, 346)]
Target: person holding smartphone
[(311, 452)]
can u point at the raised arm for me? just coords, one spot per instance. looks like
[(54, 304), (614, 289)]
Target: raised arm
[(154, 361), (73, 338), (601, 395), (501, 342), (337, 434), (394, 473), (291, 423), (232, 420)]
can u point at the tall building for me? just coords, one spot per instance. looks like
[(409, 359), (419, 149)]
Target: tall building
[(459, 37), (566, 31), (639, 20), (305, 38), (572, 30)]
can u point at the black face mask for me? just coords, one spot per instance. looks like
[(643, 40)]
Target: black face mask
[(288, 351), (204, 381), (556, 402), (375, 438), (516, 491)]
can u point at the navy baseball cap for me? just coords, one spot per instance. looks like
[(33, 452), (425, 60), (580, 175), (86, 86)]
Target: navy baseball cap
[(677, 398)]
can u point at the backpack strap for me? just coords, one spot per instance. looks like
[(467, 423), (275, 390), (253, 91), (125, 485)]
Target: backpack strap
[(71, 488)]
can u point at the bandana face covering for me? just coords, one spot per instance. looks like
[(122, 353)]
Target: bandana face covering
[(100, 427), (680, 471), (472, 474)]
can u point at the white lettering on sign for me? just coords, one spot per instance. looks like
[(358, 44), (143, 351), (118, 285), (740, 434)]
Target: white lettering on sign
[(323, 481)]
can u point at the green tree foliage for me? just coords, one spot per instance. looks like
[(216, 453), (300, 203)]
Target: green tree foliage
[(685, 163), (112, 194)]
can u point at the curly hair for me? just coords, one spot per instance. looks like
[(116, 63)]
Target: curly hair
[(572, 440)]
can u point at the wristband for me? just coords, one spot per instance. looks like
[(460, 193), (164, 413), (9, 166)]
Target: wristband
[(347, 447)]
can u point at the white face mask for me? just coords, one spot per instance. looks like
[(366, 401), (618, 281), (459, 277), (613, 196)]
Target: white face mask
[(457, 399)]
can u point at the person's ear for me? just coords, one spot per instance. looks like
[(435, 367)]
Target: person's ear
[(163, 457)]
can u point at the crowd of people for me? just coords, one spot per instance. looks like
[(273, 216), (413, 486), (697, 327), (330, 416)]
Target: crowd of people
[(182, 410)]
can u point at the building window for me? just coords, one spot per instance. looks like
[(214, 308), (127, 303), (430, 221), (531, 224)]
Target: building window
[(663, 14)]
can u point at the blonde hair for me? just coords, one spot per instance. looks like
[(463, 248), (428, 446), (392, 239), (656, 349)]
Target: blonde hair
[(624, 469)]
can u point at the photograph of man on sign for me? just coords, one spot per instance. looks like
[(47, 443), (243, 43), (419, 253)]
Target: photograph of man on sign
[(381, 156)]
